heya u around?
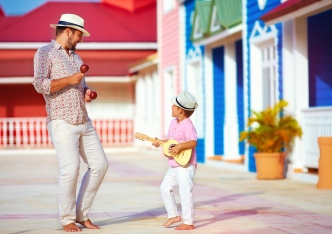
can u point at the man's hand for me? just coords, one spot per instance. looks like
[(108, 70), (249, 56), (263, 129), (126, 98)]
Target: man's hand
[(58, 84), (87, 95), (76, 78)]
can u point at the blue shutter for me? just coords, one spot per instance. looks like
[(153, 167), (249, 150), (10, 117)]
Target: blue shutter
[(239, 91), (219, 99)]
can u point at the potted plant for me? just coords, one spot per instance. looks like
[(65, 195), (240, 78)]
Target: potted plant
[(273, 134)]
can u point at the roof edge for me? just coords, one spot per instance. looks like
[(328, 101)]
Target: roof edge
[(144, 63), (287, 8)]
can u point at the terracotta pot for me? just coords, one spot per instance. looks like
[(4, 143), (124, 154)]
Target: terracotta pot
[(270, 165), (325, 163)]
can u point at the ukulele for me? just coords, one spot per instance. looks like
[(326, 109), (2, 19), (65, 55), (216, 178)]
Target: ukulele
[(181, 158)]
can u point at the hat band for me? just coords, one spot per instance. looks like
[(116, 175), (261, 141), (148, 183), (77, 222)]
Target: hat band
[(176, 99), (68, 24)]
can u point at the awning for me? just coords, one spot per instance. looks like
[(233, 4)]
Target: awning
[(292, 9)]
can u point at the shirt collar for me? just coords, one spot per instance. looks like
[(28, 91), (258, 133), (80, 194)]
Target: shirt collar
[(185, 120), (57, 46)]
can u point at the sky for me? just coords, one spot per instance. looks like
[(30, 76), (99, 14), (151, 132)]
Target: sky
[(20, 7)]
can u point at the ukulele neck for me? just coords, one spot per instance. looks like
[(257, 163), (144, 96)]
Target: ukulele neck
[(155, 141)]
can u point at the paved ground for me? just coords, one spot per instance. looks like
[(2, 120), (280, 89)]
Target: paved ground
[(129, 200)]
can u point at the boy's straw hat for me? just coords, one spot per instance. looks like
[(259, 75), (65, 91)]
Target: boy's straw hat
[(185, 100), (72, 21)]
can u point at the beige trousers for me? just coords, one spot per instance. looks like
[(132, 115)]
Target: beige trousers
[(72, 142)]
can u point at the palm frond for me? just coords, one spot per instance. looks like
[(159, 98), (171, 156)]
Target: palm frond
[(274, 131)]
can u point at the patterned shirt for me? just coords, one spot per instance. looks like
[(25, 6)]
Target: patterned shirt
[(182, 132), (52, 62)]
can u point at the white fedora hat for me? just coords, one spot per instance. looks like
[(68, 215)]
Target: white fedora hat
[(72, 21), (185, 100)]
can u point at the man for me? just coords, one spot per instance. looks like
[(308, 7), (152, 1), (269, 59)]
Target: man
[(57, 76)]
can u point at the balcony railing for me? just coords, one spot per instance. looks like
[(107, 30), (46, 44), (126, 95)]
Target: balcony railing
[(317, 122), (32, 132)]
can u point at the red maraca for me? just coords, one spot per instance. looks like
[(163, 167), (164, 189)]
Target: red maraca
[(84, 68), (93, 95)]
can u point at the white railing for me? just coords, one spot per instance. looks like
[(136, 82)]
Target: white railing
[(317, 122), (32, 132)]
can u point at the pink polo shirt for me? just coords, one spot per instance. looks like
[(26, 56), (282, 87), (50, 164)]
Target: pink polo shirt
[(182, 132)]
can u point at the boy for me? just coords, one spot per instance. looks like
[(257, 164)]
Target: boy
[(183, 131)]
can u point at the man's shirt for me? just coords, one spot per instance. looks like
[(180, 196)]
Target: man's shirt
[(52, 62)]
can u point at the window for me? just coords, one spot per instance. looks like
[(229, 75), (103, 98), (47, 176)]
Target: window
[(269, 74)]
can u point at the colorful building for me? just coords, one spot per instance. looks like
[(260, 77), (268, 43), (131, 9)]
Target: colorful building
[(239, 56)]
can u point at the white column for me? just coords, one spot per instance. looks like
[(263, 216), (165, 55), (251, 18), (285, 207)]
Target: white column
[(288, 81), (209, 103), (301, 91), (149, 103), (231, 127), (157, 107)]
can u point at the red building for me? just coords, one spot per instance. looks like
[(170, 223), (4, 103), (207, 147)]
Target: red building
[(120, 35)]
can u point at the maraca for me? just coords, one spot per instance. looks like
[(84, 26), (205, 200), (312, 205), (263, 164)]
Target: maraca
[(84, 68), (93, 95)]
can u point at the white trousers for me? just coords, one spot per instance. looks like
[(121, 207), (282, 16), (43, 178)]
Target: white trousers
[(72, 142), (182, 178)]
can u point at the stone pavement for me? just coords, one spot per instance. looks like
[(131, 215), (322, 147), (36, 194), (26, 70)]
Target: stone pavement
[(129, 200)]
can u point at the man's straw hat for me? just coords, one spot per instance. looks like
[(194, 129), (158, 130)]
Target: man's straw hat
[(72, 21)]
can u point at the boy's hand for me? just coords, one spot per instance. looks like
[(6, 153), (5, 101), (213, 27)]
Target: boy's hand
[(156, 144), (175, 149)]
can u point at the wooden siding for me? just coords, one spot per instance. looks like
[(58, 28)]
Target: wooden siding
[(219, 98), (189, 11), (190, 8), (320, 59), (21, 101), (168, 25), (253, 14), (170, 41)]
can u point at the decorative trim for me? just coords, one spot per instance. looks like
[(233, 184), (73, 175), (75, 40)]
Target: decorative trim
[(261, 4), (260, 34), (194, 55), (85, 45)]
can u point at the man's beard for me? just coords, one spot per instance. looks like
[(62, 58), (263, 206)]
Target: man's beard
[(70, 44)]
